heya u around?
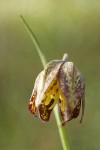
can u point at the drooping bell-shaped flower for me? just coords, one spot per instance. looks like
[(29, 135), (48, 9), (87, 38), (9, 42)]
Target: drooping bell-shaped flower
[(59, 83)]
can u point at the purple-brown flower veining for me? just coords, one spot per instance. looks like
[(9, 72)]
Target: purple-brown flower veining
[(59, 83)]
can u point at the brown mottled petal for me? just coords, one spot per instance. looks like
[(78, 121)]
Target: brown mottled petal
[(44, 112), (31, 104), (64, 79), (64, 109), (49, 73), (80, 91), (83, 106), (70, 114), (72, 86), (51, 70), (50, 99)]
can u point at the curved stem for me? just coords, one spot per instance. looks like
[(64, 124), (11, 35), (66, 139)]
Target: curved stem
[(35, 41), (61, 129)]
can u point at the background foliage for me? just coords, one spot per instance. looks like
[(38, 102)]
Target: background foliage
[(71, 26)]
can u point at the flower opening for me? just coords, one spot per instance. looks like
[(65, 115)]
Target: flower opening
[(59, 83)]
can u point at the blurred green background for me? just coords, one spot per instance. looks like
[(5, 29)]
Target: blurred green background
[(61, 26)]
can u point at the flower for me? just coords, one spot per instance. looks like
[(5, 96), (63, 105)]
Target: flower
[(59, 83)]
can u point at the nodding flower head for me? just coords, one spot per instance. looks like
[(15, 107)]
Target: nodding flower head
[(59, 83)]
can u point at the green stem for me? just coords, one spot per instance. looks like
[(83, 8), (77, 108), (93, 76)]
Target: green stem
[(61, 129), (63, 136), (35, 41)]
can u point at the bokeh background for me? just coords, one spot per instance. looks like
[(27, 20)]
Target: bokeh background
[(61, 26)]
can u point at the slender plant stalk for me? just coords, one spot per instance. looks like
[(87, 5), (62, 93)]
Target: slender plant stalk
[(35, 41), (61, 129)]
